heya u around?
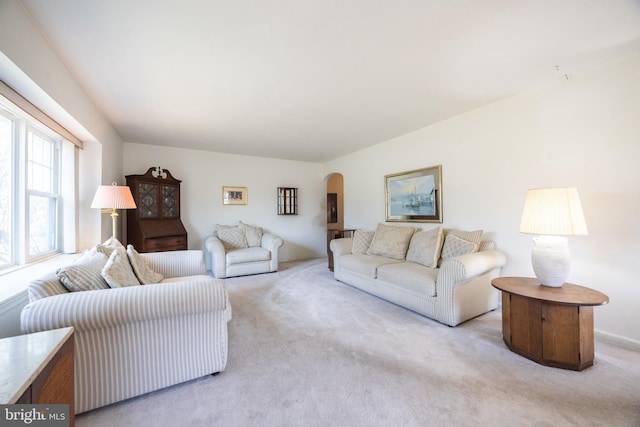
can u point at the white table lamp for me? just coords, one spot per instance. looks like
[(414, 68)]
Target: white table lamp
[(108, 198), (553, 213)]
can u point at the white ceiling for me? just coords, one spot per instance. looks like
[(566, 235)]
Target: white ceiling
[(313, 80)]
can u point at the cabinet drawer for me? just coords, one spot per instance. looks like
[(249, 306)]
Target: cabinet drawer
[(169, 243)]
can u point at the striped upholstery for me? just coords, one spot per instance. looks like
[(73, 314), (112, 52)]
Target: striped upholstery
[(462, 284), (133, 340)]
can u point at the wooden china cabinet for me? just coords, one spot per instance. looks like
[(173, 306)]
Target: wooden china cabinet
[(155, 224)]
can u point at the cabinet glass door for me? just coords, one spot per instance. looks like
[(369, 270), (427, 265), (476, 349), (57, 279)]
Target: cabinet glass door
[(170, 203), (148, 200)]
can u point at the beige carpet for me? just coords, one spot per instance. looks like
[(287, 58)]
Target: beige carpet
[(306, 350)]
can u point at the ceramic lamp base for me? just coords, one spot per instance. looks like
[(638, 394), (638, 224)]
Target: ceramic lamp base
[(551, 260)]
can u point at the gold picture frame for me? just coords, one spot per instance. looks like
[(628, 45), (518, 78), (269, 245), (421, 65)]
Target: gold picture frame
[(414, 196), (234, 195)]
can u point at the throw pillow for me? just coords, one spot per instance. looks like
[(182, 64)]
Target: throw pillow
[(391, 242), (470, 236), (425, 247), (486, 245), (145, 275), (232, 238), (455, 246), (85, 274), (362, 241), (109, 246), (253, 234), (117, 271)]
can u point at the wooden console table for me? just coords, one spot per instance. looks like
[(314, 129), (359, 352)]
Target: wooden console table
[(38, 368), (551, 326)]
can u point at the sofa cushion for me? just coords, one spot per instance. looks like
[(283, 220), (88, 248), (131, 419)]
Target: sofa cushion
[(232, 238), (117, 272), (425, 247), (365, 265), (390, 241), (85, 273), (455, 246), (145, 275), (361, 241), (240, 256), (411, 276), (184, 278), (252, 233)]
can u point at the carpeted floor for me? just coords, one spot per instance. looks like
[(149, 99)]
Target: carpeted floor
[(305, 350)]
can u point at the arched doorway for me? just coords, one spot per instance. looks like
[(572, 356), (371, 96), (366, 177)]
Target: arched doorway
[(335, 212), (335, 202)]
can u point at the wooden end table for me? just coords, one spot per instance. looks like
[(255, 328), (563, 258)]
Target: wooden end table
[(551, 326)]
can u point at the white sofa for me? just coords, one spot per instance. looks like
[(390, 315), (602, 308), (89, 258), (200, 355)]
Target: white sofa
[(136, 339), (241, 250), (447, 279)]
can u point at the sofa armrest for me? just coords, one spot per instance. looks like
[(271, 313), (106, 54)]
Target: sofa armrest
[(464, 267), (341, 246), (217, 254), (91, 310), (271, 242), (176, 263)]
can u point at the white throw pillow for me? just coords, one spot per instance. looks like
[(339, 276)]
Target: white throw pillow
[(85, 274), (486, 245), (425, 247), (470, 236), (253, 234), (118, 272), (224, 227), (145, 275), (362, 241), (109, 246), (232, 238), (455, 246), (390, 241)]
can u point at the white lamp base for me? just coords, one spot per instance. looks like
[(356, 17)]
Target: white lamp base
[(551, 260)]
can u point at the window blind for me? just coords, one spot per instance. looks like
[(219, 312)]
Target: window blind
[(36, 113)]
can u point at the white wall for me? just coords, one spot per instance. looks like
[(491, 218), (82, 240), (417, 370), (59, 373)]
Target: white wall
[(582, 132), (30, 66), (203, 175)]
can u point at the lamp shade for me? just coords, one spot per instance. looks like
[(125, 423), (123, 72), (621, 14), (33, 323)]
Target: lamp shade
[(553, 212), (113, 197)]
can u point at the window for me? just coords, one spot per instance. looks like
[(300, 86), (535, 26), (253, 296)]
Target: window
[(6, 183), (30, 188)]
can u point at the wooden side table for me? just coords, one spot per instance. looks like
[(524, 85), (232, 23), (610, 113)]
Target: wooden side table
[(551, 326)]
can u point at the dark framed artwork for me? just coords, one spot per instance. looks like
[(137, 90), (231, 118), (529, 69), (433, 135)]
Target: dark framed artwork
[(414, 196), (332, 208)]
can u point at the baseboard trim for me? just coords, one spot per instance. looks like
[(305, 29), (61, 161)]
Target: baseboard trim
[(617, 340)]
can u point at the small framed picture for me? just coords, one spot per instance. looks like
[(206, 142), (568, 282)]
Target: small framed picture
[(234, 195)]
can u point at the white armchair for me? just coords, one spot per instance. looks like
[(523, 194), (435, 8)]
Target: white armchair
[(242, 250)]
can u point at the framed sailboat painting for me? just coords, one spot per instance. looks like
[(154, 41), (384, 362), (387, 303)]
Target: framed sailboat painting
[(414, 196)]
